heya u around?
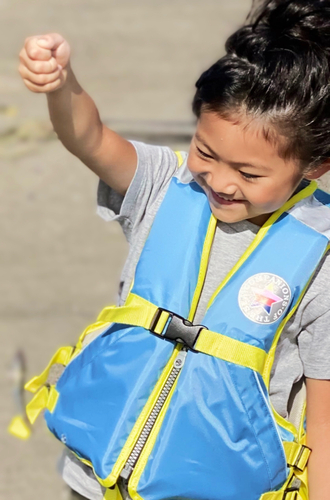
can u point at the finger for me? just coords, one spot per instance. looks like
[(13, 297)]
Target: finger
[(38, 79), (49, 87), (50, 41), (38, 66), (35, 51)]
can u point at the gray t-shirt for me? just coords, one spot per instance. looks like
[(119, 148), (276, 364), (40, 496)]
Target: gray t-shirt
[(304, 346)]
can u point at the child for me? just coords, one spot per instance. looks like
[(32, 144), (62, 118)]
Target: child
[(263, 115)]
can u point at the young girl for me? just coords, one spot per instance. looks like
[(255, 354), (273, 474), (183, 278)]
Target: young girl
[(263, 132)]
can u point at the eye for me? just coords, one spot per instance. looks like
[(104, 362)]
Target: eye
[(201, 153), (249, 176)]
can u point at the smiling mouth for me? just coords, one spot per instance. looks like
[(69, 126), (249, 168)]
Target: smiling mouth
[(223, 201)]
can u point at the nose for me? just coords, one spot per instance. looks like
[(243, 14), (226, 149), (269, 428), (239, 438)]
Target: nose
[(222, 180)]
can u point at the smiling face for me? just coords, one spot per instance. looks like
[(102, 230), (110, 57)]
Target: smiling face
[(241, 173)]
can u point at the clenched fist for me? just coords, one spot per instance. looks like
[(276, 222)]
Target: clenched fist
[(44, 62)]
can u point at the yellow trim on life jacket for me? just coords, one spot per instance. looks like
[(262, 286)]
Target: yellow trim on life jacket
[(179, 157), (91, 328), (304, 193), (108, 482), (147, 449), (144, 415), (203, 266), (271, 356)]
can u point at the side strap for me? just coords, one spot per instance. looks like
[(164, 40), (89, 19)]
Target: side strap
[(19, 428), (290, 491), (295, 488), (112, 494), (45, 398), (62, 357), (140, 312), (280, 495), (297, 455)]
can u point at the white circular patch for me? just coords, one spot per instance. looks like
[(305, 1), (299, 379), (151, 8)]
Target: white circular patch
[(264, 298)]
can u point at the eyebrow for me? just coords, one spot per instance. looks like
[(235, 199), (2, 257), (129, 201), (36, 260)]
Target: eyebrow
[(234, 163)]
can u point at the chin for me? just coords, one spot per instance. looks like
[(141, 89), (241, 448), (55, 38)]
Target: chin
[(229, 219)]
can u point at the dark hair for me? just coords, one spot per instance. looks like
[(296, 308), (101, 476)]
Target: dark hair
[(277, 69)]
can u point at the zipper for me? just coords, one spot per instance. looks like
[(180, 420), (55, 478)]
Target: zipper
[(151, 420)]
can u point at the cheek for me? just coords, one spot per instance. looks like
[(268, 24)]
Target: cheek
[(270, 199), (194, 167)]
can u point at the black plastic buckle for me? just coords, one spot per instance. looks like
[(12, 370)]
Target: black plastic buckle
[(293, 486), (178, 329)]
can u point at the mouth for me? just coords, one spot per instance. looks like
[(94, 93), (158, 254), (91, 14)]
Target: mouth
[(220, 200)]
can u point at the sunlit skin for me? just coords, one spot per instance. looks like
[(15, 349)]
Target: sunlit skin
[(240, 171)]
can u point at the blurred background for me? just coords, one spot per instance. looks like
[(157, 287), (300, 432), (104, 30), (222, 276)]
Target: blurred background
[(60, 263)]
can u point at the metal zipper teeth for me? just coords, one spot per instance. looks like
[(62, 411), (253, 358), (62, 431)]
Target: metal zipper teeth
[(150, 422)]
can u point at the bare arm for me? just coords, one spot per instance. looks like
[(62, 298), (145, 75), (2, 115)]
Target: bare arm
[(318, 438), (45, 68)]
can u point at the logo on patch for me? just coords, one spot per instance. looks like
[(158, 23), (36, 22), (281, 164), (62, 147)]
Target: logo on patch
[(264, 298)]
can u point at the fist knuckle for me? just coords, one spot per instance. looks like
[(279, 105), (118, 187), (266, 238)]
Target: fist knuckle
[(38, 67), (34, 52), (41, 79)]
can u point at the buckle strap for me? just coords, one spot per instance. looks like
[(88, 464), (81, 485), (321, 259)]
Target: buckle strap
[(138, 311), (297, 455), (175, 327), (290, 491)]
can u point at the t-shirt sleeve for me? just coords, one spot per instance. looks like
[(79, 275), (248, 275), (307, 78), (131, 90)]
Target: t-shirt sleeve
[(156, 166), (314, 338)]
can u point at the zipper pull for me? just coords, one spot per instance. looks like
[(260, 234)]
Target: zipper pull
[(180, 360), (126, 471)]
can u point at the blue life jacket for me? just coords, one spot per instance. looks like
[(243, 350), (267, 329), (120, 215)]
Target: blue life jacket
[(180, 410)]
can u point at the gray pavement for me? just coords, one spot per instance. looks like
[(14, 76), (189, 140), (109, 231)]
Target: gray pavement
[(60, 263)]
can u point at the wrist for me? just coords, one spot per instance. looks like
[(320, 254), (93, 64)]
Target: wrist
[(69, 85)]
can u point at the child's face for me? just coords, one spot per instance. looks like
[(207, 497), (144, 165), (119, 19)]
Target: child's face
[(241, 173)]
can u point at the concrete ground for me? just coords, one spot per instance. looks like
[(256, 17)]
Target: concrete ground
[(60, 263)]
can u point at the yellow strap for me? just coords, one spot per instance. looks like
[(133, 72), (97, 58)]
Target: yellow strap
[(307, 191), (279, 495), (231, 350), (288, 491), (91, 328), (136, 312), (139, 312), (112, 494), (45, 398), (19, 428), (179, 157), (62, 357), (297, 455)]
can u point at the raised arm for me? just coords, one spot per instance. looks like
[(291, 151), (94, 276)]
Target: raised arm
[(45, 68)]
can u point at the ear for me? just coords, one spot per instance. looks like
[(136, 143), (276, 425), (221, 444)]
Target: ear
[(318, 171)]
